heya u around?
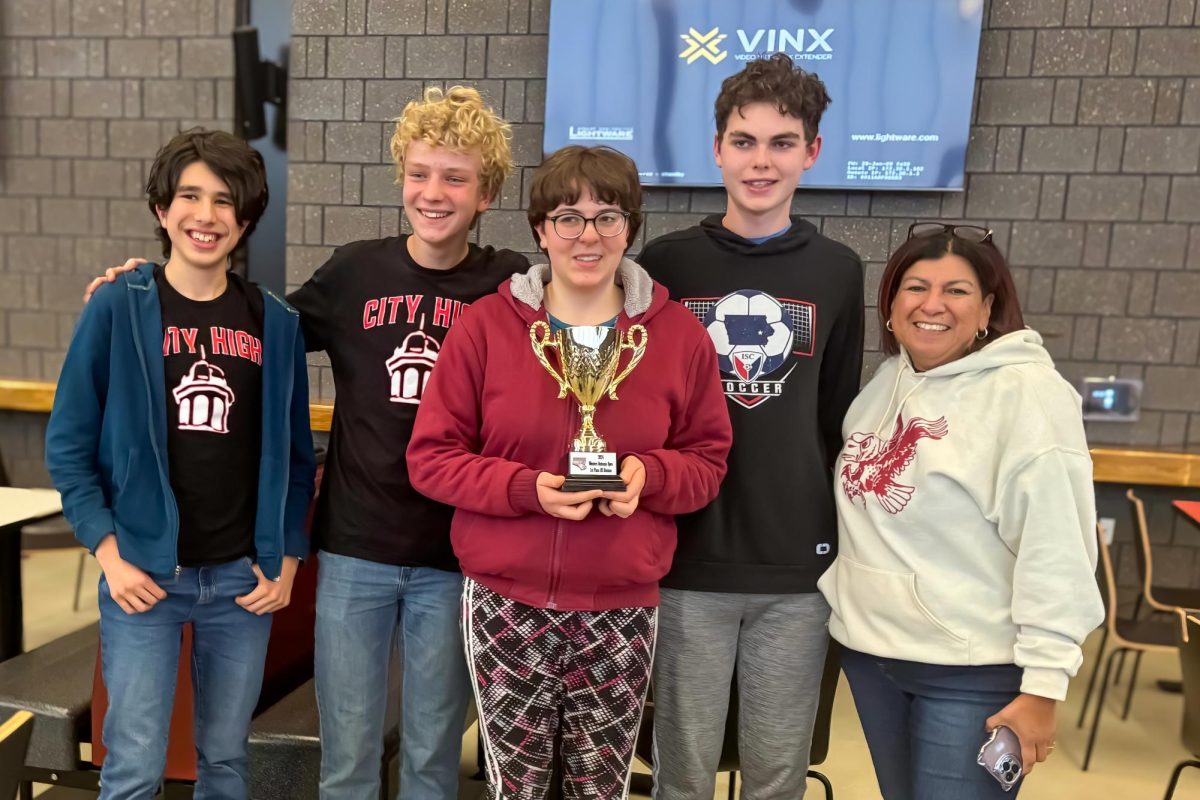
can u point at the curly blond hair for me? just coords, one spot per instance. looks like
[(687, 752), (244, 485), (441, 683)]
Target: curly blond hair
[(459, 120)]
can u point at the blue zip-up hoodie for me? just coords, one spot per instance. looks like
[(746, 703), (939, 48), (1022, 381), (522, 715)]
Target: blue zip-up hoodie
[(106, 444)]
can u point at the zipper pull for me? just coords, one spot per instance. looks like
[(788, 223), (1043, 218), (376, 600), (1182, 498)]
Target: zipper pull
[(178, 570)]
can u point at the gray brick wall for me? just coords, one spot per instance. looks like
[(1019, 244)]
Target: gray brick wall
[(89, 89), (1084, 158)]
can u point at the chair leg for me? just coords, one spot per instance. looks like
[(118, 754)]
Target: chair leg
[(1137, 611), (818, 776), (1137, 662), (1108, 664), (79, 577), (1179, 768), (1087, 697), (1120, 670), (732, 785)]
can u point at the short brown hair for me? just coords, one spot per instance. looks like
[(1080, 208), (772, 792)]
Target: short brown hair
[(236, 163), (611, 177), (988, 265), (459, 120), (778, 81)]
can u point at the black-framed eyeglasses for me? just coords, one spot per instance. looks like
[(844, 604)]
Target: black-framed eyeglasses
[(968, 233), (607, 223)]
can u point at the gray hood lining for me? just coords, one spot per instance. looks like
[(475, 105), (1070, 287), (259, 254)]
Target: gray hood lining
[(530, 287)]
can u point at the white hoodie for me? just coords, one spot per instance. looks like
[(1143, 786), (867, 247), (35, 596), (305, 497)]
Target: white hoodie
[(967, 519)]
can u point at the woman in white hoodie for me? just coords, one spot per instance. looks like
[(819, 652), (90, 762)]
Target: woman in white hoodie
[(964, 583)]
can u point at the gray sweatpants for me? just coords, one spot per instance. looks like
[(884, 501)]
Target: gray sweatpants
[(778, 643)]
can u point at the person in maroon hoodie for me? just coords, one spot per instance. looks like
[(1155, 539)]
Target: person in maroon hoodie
[(561, 592)]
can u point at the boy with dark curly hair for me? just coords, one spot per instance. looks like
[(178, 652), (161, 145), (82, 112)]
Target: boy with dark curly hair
[(180, 442)]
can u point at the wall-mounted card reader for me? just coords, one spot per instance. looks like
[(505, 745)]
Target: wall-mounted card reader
[(1111, 399)]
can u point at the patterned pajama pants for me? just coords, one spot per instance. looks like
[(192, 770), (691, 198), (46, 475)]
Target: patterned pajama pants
[(532, 667)]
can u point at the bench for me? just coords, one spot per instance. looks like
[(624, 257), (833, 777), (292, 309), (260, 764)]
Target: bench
[(54, 683), (285, 746)]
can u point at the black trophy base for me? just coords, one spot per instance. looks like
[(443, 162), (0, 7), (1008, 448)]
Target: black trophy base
[(586, 483)]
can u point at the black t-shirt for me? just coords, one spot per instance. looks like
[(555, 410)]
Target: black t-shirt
[(212, 360), (381, 318)]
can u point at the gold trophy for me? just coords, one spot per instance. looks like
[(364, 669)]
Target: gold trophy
[(589, 357)]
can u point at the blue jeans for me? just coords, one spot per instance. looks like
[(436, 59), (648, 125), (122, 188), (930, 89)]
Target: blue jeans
[(139, 655), (363, 607), (925, 723)]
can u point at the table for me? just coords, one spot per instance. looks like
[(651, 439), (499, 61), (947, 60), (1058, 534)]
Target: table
[(18, 508), (1189, 508)]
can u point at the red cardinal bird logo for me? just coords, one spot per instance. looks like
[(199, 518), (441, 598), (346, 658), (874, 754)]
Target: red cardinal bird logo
[(873, 464)]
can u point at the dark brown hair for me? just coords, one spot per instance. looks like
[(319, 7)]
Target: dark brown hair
[(232, 160), (986, 262), (778, 81), (610, 176)]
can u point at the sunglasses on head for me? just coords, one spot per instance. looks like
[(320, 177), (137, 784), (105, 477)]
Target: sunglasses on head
[(968, 233)]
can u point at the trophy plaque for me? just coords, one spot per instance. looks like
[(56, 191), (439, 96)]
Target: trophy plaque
[(589, 356)]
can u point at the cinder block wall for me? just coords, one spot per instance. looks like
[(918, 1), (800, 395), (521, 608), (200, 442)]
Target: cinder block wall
[(1083, 158), (89, 89)]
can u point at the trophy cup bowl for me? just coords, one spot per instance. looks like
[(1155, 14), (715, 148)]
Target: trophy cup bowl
[(589, 357)]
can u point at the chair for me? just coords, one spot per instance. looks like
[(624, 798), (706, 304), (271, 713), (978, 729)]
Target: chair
[(1127, 636), (1164, 599), (1160, 599), (14, 741), (54, 533), (729, 760), (1189, 662)]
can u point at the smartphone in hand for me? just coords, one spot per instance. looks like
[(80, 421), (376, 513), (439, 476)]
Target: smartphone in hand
[(1000, 755)]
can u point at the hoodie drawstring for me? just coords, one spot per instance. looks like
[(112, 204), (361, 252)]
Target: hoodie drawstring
[(887, 410)]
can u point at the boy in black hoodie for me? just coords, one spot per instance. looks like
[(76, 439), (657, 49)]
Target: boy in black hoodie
[(784, 307)]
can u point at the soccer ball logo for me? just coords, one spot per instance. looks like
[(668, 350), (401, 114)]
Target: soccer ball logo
[(752, 333)]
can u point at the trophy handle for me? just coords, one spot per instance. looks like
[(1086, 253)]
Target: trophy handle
[(635, 340), (541, 338)]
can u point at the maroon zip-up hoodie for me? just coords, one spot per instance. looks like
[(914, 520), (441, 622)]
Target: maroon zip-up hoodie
[(490, 421)]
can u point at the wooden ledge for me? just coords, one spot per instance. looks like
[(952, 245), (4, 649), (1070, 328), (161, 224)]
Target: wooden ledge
[(26, 396), (38, 397), (1111, 465), (321, 415)]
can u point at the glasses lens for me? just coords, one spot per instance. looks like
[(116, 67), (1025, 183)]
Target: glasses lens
[(926, 229), (569, 226), (972, 233), (610, 223)]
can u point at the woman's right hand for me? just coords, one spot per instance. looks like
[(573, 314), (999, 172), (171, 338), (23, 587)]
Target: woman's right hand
[(133, 590), (564, 505), (110, 275)]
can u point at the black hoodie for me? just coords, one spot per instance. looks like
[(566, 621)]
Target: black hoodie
[(786, 317)]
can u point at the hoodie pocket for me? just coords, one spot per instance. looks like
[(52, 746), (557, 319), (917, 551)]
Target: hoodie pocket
[(881, 613), (128, 496)]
